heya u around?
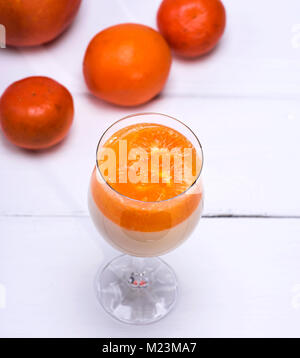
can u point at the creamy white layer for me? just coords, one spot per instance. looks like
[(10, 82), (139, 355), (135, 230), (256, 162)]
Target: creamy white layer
[(143, 244)]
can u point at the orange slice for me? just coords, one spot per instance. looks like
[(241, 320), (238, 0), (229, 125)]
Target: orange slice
[(149, 163), (160, 163)]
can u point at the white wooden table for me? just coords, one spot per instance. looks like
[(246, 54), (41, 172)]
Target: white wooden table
[(240, 271)]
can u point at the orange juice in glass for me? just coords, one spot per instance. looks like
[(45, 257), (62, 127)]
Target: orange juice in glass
[(145, 198)]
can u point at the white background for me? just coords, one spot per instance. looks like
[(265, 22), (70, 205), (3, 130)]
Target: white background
[(240, 271)]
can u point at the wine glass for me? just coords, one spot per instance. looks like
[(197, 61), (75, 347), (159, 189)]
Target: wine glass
[(138, 287)]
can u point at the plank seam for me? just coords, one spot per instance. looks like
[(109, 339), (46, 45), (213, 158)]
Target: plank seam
[(207, 216)]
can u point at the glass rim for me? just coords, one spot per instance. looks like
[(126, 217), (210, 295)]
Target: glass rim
[(145, 114)]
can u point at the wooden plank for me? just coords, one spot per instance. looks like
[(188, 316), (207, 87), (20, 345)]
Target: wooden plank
[(242, 280), (251, 153), (258, 56)]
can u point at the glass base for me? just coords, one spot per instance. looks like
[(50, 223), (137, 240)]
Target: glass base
[(137, 290)]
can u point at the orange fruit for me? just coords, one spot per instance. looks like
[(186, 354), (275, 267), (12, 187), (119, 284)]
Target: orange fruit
[(35, 22), (191, 27), (150, 210), (36, 112), (127, 64)]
